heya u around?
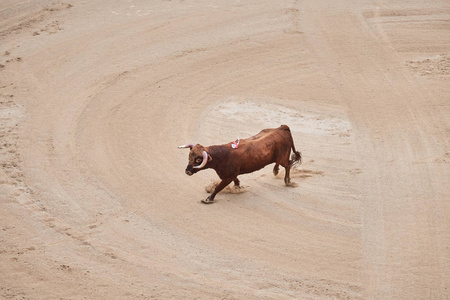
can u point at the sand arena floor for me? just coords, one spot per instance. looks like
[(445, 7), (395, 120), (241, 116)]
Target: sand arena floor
[(95, 97)]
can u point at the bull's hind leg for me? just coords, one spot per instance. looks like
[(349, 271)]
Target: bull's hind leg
[(219, 187), (287, 178), (287, 175), (276, 168)]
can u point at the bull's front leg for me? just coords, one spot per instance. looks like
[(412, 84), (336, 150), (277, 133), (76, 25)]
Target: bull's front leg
[(237, 183), (219, 187)]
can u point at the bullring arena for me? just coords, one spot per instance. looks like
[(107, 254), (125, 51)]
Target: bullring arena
[(95, 97)]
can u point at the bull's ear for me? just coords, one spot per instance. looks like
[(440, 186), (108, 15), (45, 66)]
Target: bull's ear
[(186, 146), (209, 157)]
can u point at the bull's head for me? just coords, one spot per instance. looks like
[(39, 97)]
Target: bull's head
[(198, 158)]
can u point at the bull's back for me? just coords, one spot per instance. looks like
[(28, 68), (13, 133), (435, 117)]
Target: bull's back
[(270, 133), (266, 147)]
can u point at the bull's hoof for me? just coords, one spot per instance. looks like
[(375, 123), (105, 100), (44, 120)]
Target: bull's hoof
[(208, 200), (292, 184)]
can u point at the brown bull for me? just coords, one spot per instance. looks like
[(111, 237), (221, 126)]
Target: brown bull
[(245, 156)]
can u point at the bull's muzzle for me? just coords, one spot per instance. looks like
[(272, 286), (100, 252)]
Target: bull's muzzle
[(190, 170)]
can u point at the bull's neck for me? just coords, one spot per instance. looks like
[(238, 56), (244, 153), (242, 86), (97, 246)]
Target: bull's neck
[(219, 154)]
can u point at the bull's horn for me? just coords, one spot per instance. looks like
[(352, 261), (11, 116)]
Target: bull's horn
[(205, 160), (186, 146)]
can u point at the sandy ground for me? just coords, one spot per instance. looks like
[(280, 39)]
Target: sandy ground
[(95, 97)]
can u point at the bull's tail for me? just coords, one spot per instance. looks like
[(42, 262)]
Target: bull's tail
[(296, 157)]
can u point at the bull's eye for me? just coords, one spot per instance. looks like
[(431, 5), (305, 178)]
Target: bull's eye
[(198, 160)]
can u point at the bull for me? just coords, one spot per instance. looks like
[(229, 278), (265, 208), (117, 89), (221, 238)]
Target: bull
[(245, 156)]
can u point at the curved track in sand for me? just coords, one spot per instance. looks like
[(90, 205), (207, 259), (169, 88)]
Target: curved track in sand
[(96, 98)]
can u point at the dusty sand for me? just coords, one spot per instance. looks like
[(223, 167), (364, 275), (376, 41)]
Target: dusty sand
[(97, 95)]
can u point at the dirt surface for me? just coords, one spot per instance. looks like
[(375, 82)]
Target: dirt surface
[(95, 97)]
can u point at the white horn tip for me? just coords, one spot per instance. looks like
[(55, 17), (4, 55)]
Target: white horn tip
[(186, 146)]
